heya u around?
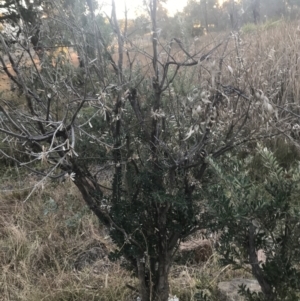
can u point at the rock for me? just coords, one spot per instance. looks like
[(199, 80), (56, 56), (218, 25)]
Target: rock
[(229, 289), (261, 256)]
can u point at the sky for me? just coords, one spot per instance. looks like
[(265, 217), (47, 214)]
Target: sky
[(134, 5)]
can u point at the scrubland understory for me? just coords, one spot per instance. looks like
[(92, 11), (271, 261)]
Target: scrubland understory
[(53, 248)]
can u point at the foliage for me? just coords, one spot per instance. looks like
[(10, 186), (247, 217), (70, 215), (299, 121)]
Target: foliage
[(259, 210), (210, 16), (249, 28), (12, 11)]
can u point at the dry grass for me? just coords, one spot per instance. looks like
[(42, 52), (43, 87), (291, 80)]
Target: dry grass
[(271, 60), (42, 240)]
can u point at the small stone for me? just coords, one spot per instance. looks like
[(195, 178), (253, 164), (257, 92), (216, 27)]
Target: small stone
[(229, 289)]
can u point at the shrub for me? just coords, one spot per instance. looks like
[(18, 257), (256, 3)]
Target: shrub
[(260, 213)]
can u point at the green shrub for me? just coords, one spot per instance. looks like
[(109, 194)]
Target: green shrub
[(260, 213)]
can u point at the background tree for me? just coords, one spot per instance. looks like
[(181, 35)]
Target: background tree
[(255, 11), (139, 26), (210, 14), (206, 15), (255, 7)]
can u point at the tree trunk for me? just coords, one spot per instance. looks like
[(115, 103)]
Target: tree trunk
[(205, 16), (153, 272), (154, 282), (256, 11), (144, 290), (91, 193), (256, 269), (162, 289)]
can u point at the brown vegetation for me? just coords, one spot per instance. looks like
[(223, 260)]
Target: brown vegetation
[(52, 249)]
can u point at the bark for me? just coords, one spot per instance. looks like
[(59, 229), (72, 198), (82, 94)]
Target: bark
[(205, 16), (98, 43), (256, 269), (256, 11), (90, 192), (143, 289), (154, 284), (161, 292)]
